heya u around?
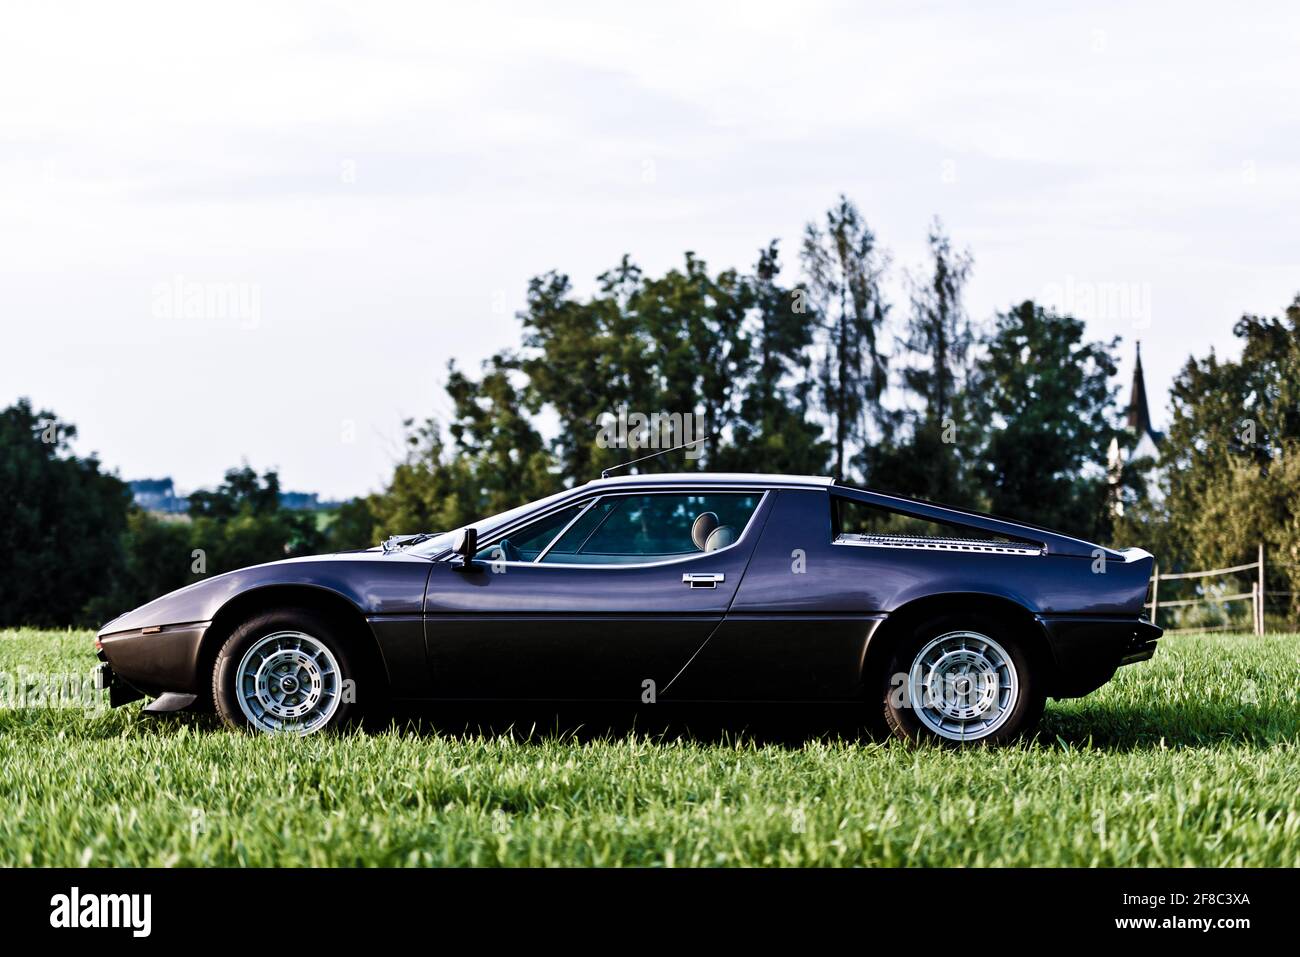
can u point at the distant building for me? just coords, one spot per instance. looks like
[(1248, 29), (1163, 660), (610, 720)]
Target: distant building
[(157, 495), (301, 501), (1138, 424)]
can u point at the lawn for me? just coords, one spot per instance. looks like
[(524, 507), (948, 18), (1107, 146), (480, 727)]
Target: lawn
[(1190, 759)]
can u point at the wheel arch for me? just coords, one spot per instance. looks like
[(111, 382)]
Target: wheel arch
[(335, 606), (902, 620)]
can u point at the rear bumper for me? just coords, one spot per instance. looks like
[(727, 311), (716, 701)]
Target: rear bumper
[(1141, 645), (1088, 650)]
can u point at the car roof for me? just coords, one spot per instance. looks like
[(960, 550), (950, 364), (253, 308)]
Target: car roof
[(760, 479)]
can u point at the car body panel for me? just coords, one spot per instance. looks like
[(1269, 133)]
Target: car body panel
[(793, 618), (562, 631), (385, 589)]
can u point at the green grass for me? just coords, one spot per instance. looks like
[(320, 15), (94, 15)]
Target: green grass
[(1191, 759)]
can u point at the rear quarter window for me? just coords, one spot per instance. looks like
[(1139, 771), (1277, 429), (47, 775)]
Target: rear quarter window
[(854, 523)]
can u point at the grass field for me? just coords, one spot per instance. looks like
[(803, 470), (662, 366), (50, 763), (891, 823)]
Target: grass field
[(1190, 759)]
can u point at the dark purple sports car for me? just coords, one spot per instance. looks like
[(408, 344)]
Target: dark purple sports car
[(644, 589)]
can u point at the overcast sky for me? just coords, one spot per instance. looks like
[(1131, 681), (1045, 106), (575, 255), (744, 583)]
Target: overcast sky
[(376, 183)]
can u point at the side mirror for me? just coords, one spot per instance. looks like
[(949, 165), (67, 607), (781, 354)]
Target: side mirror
[(466, 547)]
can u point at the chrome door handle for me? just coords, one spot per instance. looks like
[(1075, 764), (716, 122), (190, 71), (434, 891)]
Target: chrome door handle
[(703, 581)]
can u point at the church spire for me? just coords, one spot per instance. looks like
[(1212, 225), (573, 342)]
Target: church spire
[(1139, 416)]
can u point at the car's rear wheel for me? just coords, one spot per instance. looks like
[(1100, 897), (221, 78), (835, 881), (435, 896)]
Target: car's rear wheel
[(960, 680), (285, 671)]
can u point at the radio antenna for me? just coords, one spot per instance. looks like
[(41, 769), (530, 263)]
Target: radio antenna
[(606, 473)]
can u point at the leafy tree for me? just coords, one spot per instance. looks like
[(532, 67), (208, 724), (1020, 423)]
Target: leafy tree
[(240, 523), (492, 430), (1230, 463), (61, 522), (581, 360), (1045, 406), (844, 270), (241, 491), (353, 526), (699, 352), (432, 490)]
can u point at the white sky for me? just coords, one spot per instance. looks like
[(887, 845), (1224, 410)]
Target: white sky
[(384, 179)]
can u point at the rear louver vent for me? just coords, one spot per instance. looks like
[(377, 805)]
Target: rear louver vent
[(940, 544)]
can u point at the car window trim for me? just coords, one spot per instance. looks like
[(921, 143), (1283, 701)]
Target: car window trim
[(739, 489), (586, 507), (599, 525)]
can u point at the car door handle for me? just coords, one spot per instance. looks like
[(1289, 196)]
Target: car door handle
[(703, 581)]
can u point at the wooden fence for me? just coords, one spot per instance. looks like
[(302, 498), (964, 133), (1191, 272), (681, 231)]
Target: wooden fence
[(1255, 596)]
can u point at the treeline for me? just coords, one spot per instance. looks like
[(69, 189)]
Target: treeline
[(819, 373), (74, 550), (1229, 477)]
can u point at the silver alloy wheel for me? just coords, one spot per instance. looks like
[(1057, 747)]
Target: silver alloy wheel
[(963, 686), (288, 681)]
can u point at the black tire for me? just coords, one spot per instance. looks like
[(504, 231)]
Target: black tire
[(339, 705), (1012, 723)]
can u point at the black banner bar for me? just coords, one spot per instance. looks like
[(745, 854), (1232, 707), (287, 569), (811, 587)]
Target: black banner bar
[(176, 907)]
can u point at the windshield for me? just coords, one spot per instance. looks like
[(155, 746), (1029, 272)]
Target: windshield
[(442, 541)]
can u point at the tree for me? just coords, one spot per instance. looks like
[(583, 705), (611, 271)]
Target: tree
[(492, 430), (1045, 406), (699, 355), (922, 455), (240, 491), (582, 359), (1230, 463), (61, 522), (844, 271), (431, 490), (774, 431), (938, 329)]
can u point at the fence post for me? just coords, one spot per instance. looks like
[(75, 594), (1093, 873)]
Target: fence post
[(1259, 608), (1155, 594)]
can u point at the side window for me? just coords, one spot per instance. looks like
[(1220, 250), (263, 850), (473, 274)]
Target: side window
[(857, 523), (634, 529), (527, 543)]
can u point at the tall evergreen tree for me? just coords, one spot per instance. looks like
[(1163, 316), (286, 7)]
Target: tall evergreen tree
[(775, 431), (938, 330), (844, 270), (926, 455)]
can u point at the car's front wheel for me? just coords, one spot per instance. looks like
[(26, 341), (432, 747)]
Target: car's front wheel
[(284, 671), (963, 680)]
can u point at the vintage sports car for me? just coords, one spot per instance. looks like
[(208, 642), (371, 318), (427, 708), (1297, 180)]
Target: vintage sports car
[(660, 588)]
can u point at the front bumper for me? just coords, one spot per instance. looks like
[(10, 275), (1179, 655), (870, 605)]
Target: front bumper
[(119, 692), (151, 661)]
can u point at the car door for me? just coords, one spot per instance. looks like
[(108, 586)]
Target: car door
[(605, 599)]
